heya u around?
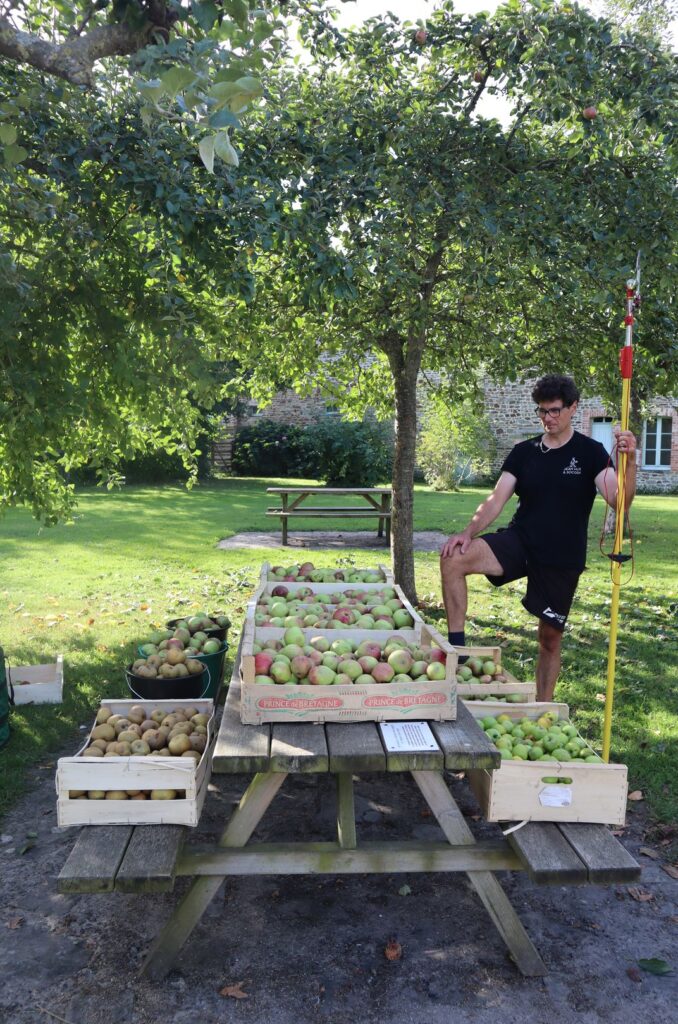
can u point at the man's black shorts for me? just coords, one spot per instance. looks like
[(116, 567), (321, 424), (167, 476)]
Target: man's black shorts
[(550, 590)]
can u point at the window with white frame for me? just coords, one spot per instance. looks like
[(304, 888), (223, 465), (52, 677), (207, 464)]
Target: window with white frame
[(657, 443)]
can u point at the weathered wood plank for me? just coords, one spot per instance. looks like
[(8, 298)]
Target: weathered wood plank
[(412, 761), (493, 897), (244, 820), (547, 855), (355, 747), (605, 858), (150, 860), (464, 743), (329, 513), (94, 860), (239, 748), (330, 858), (346, 834), (299, 748), (329, 490)]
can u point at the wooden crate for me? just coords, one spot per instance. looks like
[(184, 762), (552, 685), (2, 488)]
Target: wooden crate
[(38, 684), (267, 583), (379, 702), (512, 685), (122, 773), (516, 791), (411, 634)]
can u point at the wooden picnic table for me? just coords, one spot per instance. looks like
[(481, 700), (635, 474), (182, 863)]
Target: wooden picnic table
[(271, 752), (148, 858), (293, 498)]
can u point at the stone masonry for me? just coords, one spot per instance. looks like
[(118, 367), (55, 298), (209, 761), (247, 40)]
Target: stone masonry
[(511, 414)]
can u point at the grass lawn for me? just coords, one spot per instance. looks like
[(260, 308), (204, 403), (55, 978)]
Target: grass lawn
[(133, 558)]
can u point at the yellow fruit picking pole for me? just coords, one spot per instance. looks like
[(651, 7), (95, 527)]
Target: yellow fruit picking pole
[(617, 557)]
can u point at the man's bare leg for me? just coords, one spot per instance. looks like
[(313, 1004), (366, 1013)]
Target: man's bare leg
[(548, 662), (479, 558)]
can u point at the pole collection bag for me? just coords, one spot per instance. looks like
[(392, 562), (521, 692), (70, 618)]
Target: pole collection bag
[(6, 699)]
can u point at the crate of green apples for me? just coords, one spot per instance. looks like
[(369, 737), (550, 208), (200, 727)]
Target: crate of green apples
[(548, 771), (378, 612), (483, 677), (349, 677), (141, 764), (327, 579)]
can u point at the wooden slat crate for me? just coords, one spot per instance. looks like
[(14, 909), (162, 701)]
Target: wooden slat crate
[(379, 702), (516, 791), (470, 690), (268, 582), (411, 634), (130, 773), (38, 684)]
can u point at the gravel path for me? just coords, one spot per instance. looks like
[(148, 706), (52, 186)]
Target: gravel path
[(424, 540), (311, 949)]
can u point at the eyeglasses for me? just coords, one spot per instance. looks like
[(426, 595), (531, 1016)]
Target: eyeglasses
[(554, 411)]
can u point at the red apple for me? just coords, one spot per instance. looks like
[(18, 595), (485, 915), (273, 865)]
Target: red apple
[(420, 36), (589, 113)]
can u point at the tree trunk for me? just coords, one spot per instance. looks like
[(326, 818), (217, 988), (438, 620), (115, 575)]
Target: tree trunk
[(405, 370)]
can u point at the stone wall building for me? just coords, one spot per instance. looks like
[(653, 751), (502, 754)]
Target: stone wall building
[(511, 413), (510, 410)]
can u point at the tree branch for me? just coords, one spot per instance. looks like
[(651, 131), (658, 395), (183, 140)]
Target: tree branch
[(74, 59)]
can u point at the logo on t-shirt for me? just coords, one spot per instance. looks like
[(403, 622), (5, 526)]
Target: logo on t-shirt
[(573, 469)]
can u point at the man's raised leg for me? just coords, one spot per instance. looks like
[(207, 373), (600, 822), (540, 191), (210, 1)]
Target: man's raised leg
[(548, 662), (454, 568)]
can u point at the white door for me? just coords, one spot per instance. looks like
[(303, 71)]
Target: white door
[(601, 430)]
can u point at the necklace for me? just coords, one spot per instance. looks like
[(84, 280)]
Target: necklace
[(544, 448)]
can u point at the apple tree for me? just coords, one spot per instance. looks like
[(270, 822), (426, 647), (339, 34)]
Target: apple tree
[(414, 229), (118, 250)]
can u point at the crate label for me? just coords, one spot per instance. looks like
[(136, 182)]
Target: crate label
[(555, 796), (404, 701), (299, 703)]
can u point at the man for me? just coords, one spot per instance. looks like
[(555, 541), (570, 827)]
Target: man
[(555, 476)]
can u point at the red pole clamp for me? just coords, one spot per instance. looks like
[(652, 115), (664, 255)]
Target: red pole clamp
[(628, 320), (626, 362)]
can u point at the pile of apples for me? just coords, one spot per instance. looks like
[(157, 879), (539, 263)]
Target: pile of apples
[(142, 732), (170, 654), (347, 609), (479, 670), (343, 662), (548, 738), (178, 733), (307, 572)]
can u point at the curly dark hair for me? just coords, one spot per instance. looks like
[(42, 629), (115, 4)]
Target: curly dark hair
[(555, 385)]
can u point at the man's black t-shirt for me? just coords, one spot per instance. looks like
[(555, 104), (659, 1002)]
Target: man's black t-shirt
[(556, 489)]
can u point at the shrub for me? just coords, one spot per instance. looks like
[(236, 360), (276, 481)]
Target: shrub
[(338, 453), (268, 448), (454, 444), (353, 454)]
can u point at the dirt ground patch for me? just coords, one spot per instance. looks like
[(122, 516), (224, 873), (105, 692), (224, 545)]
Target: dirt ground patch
[(423, 540), (311, 949)]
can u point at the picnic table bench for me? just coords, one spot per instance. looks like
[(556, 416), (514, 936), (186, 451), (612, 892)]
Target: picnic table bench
[(378, 499), (149, 858)]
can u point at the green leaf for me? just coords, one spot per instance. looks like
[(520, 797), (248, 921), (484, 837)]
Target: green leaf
[(239, 11), (224, 150), (177, 79), (206, 150), (224, 118), (205, 14), (7, 134), (151, 90), (14, 154), (654, 966)]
